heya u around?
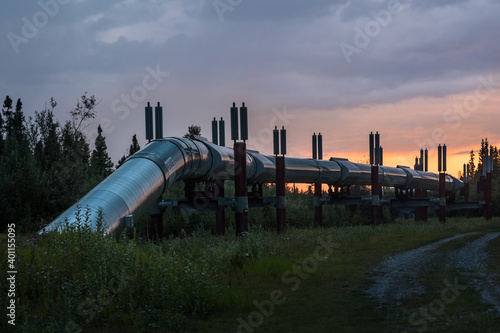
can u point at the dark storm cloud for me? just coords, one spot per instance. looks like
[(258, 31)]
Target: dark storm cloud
[(270, 52)]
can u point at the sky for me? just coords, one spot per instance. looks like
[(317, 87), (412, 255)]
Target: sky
[(421, 73)]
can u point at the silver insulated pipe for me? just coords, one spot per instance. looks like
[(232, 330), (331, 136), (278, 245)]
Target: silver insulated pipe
[(143, 178)]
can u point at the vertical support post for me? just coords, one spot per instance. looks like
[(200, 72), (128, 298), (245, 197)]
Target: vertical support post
[(222, 133), (488, 191), (276, 141), (419, 165), (466, 188), (375, 195), (244, 122), (480, 184), (283, 140), (159, 122), (241, 189), (318, 209), (220, 213), (467, 196), (149, 122), (215, 132), (491, 159), (320, 146), (377, 148), (426, 164), (421, 162), (156, 221), (442, 197), (444, 158), (314, 147), (425, 210), (423, 193), (417, 210), (234, 123), (487, 196), (280, 195), (371, 148), (440, 152), (442, 182), (280, 178)]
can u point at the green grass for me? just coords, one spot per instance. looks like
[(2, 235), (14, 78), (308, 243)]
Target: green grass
[(80, 280), (333, 299)]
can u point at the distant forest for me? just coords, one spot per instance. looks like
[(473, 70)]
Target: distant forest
[(46, 166)]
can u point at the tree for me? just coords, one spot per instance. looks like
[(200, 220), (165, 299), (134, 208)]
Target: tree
[(121, 161), (24, 188), (47, 145), (193, 130), (85, 109), (8, 114), (18, 122), (134, 148), (496, 162), (1, 134), (472, 165), (100, 162)]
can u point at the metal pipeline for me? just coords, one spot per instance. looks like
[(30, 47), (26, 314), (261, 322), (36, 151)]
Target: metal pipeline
[(143, 178)]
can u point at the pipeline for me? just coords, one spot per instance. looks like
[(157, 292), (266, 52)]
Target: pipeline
[(144, 176)]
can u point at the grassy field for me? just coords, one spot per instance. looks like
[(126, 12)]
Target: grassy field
[(309, 280), (332, 299)]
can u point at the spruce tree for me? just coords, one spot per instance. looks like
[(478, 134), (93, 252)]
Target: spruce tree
[(100, 161), (134, 148), (24, 187), (1, 134), (47, 143), (121, 161), (472, 165), (18, 122), (8, 114)]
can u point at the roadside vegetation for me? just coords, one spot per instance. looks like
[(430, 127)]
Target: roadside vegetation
[(80, 281)]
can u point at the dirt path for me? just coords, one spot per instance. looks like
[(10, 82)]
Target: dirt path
[(397, 276)]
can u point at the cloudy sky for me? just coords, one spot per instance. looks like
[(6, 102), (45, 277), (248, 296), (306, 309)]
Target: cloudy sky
[(421, 73)]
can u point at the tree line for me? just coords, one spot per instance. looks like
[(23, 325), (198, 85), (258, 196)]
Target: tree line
[(476, 171), (45, 165)]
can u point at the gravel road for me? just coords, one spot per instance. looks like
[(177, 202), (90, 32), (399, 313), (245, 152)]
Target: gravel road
[(397, 276)]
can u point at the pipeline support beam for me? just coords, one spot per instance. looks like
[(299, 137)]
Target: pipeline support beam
[(376, 209), (240, 187), (280, 194)]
